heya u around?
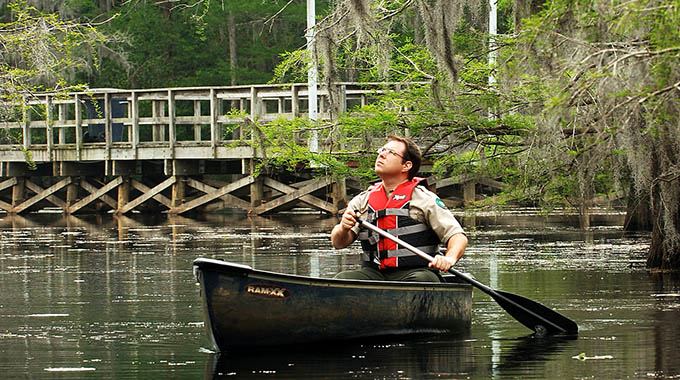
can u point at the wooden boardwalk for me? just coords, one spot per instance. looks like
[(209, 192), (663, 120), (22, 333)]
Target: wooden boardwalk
[(174, 149)]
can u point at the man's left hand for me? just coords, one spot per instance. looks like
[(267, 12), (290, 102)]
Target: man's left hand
[(443, 263)]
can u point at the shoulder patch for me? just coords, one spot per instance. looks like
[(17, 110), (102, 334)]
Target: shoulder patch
[(440, 203)]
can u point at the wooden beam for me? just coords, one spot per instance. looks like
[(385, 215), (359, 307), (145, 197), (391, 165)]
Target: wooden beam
[(42, 194), (444, 182), (227, 198), (469, 194), (5, 206), (96, 194), (160, 198), (146, 196), (492, 183), (102, 197), (213, 195), (291, 196), (8, 183), (5, 185), (308, 198), (51, 198)]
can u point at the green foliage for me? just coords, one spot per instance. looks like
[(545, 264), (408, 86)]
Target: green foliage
[(39, 52), (187, 44)]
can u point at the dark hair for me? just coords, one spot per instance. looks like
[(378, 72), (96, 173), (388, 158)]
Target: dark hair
[(412, 154)]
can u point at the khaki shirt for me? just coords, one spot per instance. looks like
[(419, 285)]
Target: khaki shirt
[(425, 207)]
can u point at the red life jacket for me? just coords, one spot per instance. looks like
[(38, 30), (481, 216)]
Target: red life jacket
[(392, 215)]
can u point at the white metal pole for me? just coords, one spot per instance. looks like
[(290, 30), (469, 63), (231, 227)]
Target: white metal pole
[(492, 39), (312, 74)]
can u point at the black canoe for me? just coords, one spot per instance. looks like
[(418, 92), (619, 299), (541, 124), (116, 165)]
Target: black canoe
[(248, 308)]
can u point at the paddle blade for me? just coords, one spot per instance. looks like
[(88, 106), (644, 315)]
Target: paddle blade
[(541, 319)]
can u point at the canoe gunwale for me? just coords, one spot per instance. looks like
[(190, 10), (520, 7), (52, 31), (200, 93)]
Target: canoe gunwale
[(246, 271)]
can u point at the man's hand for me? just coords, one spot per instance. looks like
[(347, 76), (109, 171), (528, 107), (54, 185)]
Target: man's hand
[(443, 263), (349, 219), (455, 248), (342, 234)]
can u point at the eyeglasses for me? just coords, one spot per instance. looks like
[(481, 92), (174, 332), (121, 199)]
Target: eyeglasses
[(389, 151)]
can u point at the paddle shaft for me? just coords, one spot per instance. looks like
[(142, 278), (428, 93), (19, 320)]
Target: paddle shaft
[(491, 292)]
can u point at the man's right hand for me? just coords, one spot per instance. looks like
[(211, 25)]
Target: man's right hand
[(349, 219), (342, 234)]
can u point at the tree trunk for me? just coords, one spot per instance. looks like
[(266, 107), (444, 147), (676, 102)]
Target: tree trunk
[(524, 9), (664, 250), (233, 59), (661, 255), (105, 5), (638, 212)]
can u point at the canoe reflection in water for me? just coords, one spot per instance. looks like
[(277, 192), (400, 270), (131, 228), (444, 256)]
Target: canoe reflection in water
[(247, 308), (442, 356), (405, 358)]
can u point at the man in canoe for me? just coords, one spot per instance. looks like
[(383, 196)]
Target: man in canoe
[(401, 205)]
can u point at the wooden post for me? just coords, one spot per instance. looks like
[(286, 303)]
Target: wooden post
[(339, 193), (27, 124), (62, 120), (197, 117), (469, 193), (214, 112), (107, 133), (123, 192), (256, 192), (71, 194), (294, 100), (79, 126), (256, 188), (178, 192), (342, 108), (49, 133), (19, 191), (158, 112), (171, 123), (134, 114), (254, 104)]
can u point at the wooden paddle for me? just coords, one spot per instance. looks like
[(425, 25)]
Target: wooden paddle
[(537, 317)]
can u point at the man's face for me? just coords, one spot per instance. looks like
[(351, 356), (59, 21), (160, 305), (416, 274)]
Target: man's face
[(390, 159)]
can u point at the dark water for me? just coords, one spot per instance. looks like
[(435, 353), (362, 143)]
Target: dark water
[(115, 297)]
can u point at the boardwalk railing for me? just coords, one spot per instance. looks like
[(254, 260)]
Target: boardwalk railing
[(157, 148), (152, 124)]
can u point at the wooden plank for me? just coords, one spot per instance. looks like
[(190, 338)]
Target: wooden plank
[(5, 185), (214, 195), (492, 183), (228, 198), (146, 196), (292, 196), (42, 194), (308, 198), (160, 198), (213, 121), (5, 206), (172, 137), (8, 183), (444, 182), (51, 198), (103, 197), (96, 194)]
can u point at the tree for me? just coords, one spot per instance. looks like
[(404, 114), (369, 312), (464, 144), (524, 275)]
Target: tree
[(196, 42), (613, 70), (41, 52)]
